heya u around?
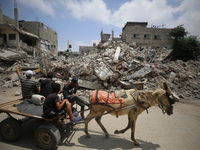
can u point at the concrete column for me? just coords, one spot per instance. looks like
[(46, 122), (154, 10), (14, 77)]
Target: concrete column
[(112, 35), (16, 17), (1, 16), (101, 36)]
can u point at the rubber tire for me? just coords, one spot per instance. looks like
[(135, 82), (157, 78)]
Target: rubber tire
[(47, 136), (10, 129)]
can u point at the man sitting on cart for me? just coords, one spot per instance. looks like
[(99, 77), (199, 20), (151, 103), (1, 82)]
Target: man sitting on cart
[(28, 86), (69, 92), (45, 85), (53, 105)]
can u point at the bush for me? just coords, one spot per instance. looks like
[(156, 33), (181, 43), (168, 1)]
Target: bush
[(184, 48)]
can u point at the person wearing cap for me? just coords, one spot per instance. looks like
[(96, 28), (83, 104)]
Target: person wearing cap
[(69, 92), (28, 86), (45, 85), (53, 105)]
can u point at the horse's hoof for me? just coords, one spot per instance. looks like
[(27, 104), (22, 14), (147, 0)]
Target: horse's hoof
[(116, 132), (107, 135)]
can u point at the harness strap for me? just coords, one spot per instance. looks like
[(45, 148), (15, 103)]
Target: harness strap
[(96, 98), (136, 95), (107, 98)]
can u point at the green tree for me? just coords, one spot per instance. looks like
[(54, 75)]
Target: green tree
[(178, 32), (184, 48)]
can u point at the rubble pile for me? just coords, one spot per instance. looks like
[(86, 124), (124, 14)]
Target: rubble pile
[(114, 65)]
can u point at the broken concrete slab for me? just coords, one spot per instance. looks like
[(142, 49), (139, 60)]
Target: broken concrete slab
[(117, 52), (141, 73), (81, 70), (89, 85), (12, 55), (103, 72), (132, 85), (29, 67)]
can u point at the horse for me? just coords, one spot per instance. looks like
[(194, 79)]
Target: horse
[(134, 104)]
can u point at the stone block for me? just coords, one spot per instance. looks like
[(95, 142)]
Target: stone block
[(103, 72), (80, 70), (133, 85), (89, 85), (12, 55), (140, 73), (117, 52)]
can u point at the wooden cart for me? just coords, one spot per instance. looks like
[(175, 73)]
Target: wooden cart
[(47, 135)]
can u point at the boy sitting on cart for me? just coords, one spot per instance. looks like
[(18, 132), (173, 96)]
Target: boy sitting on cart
[(53, 105)]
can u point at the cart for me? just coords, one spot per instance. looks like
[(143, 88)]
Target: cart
[(47, 135)]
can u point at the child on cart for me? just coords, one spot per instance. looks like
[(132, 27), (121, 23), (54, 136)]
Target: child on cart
[(53, 105)]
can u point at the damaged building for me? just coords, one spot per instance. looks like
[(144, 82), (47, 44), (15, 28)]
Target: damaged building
[(145, 37), (48, 37), (27, 35), (138, 34)]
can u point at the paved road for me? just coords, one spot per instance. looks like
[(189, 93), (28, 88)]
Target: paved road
[(181, 131)]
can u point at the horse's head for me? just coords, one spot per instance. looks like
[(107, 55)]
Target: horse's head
[(166, 99)]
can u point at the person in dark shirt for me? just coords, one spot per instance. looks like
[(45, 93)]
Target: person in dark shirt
[(53, 105), (28, 86), (69, 92), (45, 85)]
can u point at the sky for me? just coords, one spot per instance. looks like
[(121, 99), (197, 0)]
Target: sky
[(81, 21)]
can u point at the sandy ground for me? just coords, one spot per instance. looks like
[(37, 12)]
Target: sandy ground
[(180, 131)]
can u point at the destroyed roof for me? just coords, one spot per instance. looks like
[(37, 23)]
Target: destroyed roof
[(136, 24), (19, 30)]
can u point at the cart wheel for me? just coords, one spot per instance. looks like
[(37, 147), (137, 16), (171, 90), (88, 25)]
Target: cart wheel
[(10, 129), (47, 136)]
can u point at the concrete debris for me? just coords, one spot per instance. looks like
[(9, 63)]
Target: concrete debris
[(12, 55), (140, 73), (115, 59), (89, 85), (110, 66), (103, 72), (80, 70)]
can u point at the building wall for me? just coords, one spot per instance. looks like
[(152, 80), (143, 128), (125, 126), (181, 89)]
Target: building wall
[(31, 27), (43, 32), (7, 32), (47, 33), (85, 49), (147, 37)]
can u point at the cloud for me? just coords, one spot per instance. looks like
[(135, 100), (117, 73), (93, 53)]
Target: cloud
[(77, 44), (89, 9), (45, 6), (155, 12), (190, 16), (160, 12)]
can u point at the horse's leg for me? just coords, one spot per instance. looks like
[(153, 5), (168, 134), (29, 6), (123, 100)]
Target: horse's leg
[(133, 118), (98, 120), (124, 130)]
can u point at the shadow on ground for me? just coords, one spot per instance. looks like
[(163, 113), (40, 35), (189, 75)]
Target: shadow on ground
[(99, 141)]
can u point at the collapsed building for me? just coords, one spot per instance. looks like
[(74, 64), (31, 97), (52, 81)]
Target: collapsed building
[(115, 65), (30, 35)]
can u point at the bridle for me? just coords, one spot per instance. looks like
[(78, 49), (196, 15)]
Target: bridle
[(171, 101)]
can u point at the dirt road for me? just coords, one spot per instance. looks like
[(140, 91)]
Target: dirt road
[(180, 131)]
